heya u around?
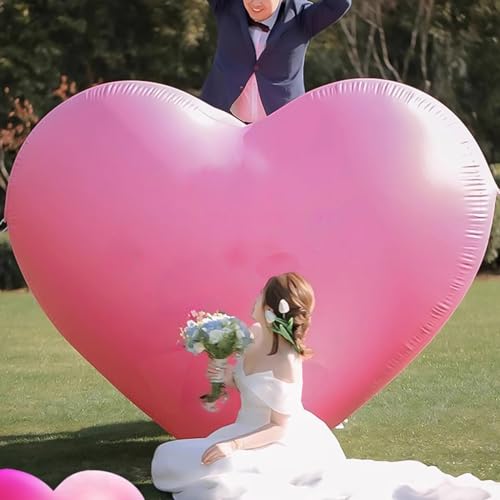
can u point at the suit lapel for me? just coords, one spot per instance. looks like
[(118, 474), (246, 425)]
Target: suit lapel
[(286, 15), (241, 13)]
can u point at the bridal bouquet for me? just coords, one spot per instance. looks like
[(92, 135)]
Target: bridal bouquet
[(220, 336)]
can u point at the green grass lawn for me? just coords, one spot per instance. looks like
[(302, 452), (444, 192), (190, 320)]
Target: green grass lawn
[(59, 416)]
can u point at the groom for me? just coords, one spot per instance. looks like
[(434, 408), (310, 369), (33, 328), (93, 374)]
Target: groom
[(259, 61)]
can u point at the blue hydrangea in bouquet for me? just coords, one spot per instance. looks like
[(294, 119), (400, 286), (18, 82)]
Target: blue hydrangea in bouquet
[(220, 336)]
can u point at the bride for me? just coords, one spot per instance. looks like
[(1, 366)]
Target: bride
[(276, 449)]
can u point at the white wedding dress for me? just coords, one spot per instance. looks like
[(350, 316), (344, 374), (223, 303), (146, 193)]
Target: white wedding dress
[(307, 464)]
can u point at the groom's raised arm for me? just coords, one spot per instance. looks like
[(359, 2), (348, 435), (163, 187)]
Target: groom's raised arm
[(318, 16)]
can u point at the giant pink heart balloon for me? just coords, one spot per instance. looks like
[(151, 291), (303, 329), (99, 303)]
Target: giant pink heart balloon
[(133, 203)]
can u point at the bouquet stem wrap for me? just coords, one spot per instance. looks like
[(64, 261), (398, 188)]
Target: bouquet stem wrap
[(218, 387)]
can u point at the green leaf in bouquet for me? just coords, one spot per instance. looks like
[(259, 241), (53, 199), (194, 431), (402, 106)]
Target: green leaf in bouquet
[(225, 346)]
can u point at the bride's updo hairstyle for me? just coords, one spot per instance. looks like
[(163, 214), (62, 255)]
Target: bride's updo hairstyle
[(299, 294)]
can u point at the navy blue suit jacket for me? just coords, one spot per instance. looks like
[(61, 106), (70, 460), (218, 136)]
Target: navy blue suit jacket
[(280, 68)]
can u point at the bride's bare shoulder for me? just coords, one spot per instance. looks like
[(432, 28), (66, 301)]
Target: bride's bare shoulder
[(288, 369), (285, 366)]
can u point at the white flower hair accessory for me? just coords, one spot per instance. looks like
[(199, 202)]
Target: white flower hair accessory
[(281, 326), (270, 316), (284, 307)]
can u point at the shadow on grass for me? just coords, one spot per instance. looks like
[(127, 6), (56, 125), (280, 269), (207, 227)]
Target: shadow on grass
[(124, 449)]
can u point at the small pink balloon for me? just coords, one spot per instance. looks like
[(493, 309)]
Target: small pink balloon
[(18, 485), (95, 484)]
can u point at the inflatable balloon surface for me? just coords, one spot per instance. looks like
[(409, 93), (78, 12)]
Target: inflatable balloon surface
[(133, 203), (96, 484), (19, 485)]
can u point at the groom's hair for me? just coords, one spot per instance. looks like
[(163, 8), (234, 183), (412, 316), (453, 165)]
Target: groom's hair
[(299, 294)]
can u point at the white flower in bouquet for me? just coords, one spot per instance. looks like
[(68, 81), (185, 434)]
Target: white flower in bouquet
[(215, 336)]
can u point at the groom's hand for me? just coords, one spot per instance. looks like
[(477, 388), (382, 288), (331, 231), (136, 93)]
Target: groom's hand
[(218, 451)]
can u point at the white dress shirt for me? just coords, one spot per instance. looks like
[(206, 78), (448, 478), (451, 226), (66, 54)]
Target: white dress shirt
[(248, 107)]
